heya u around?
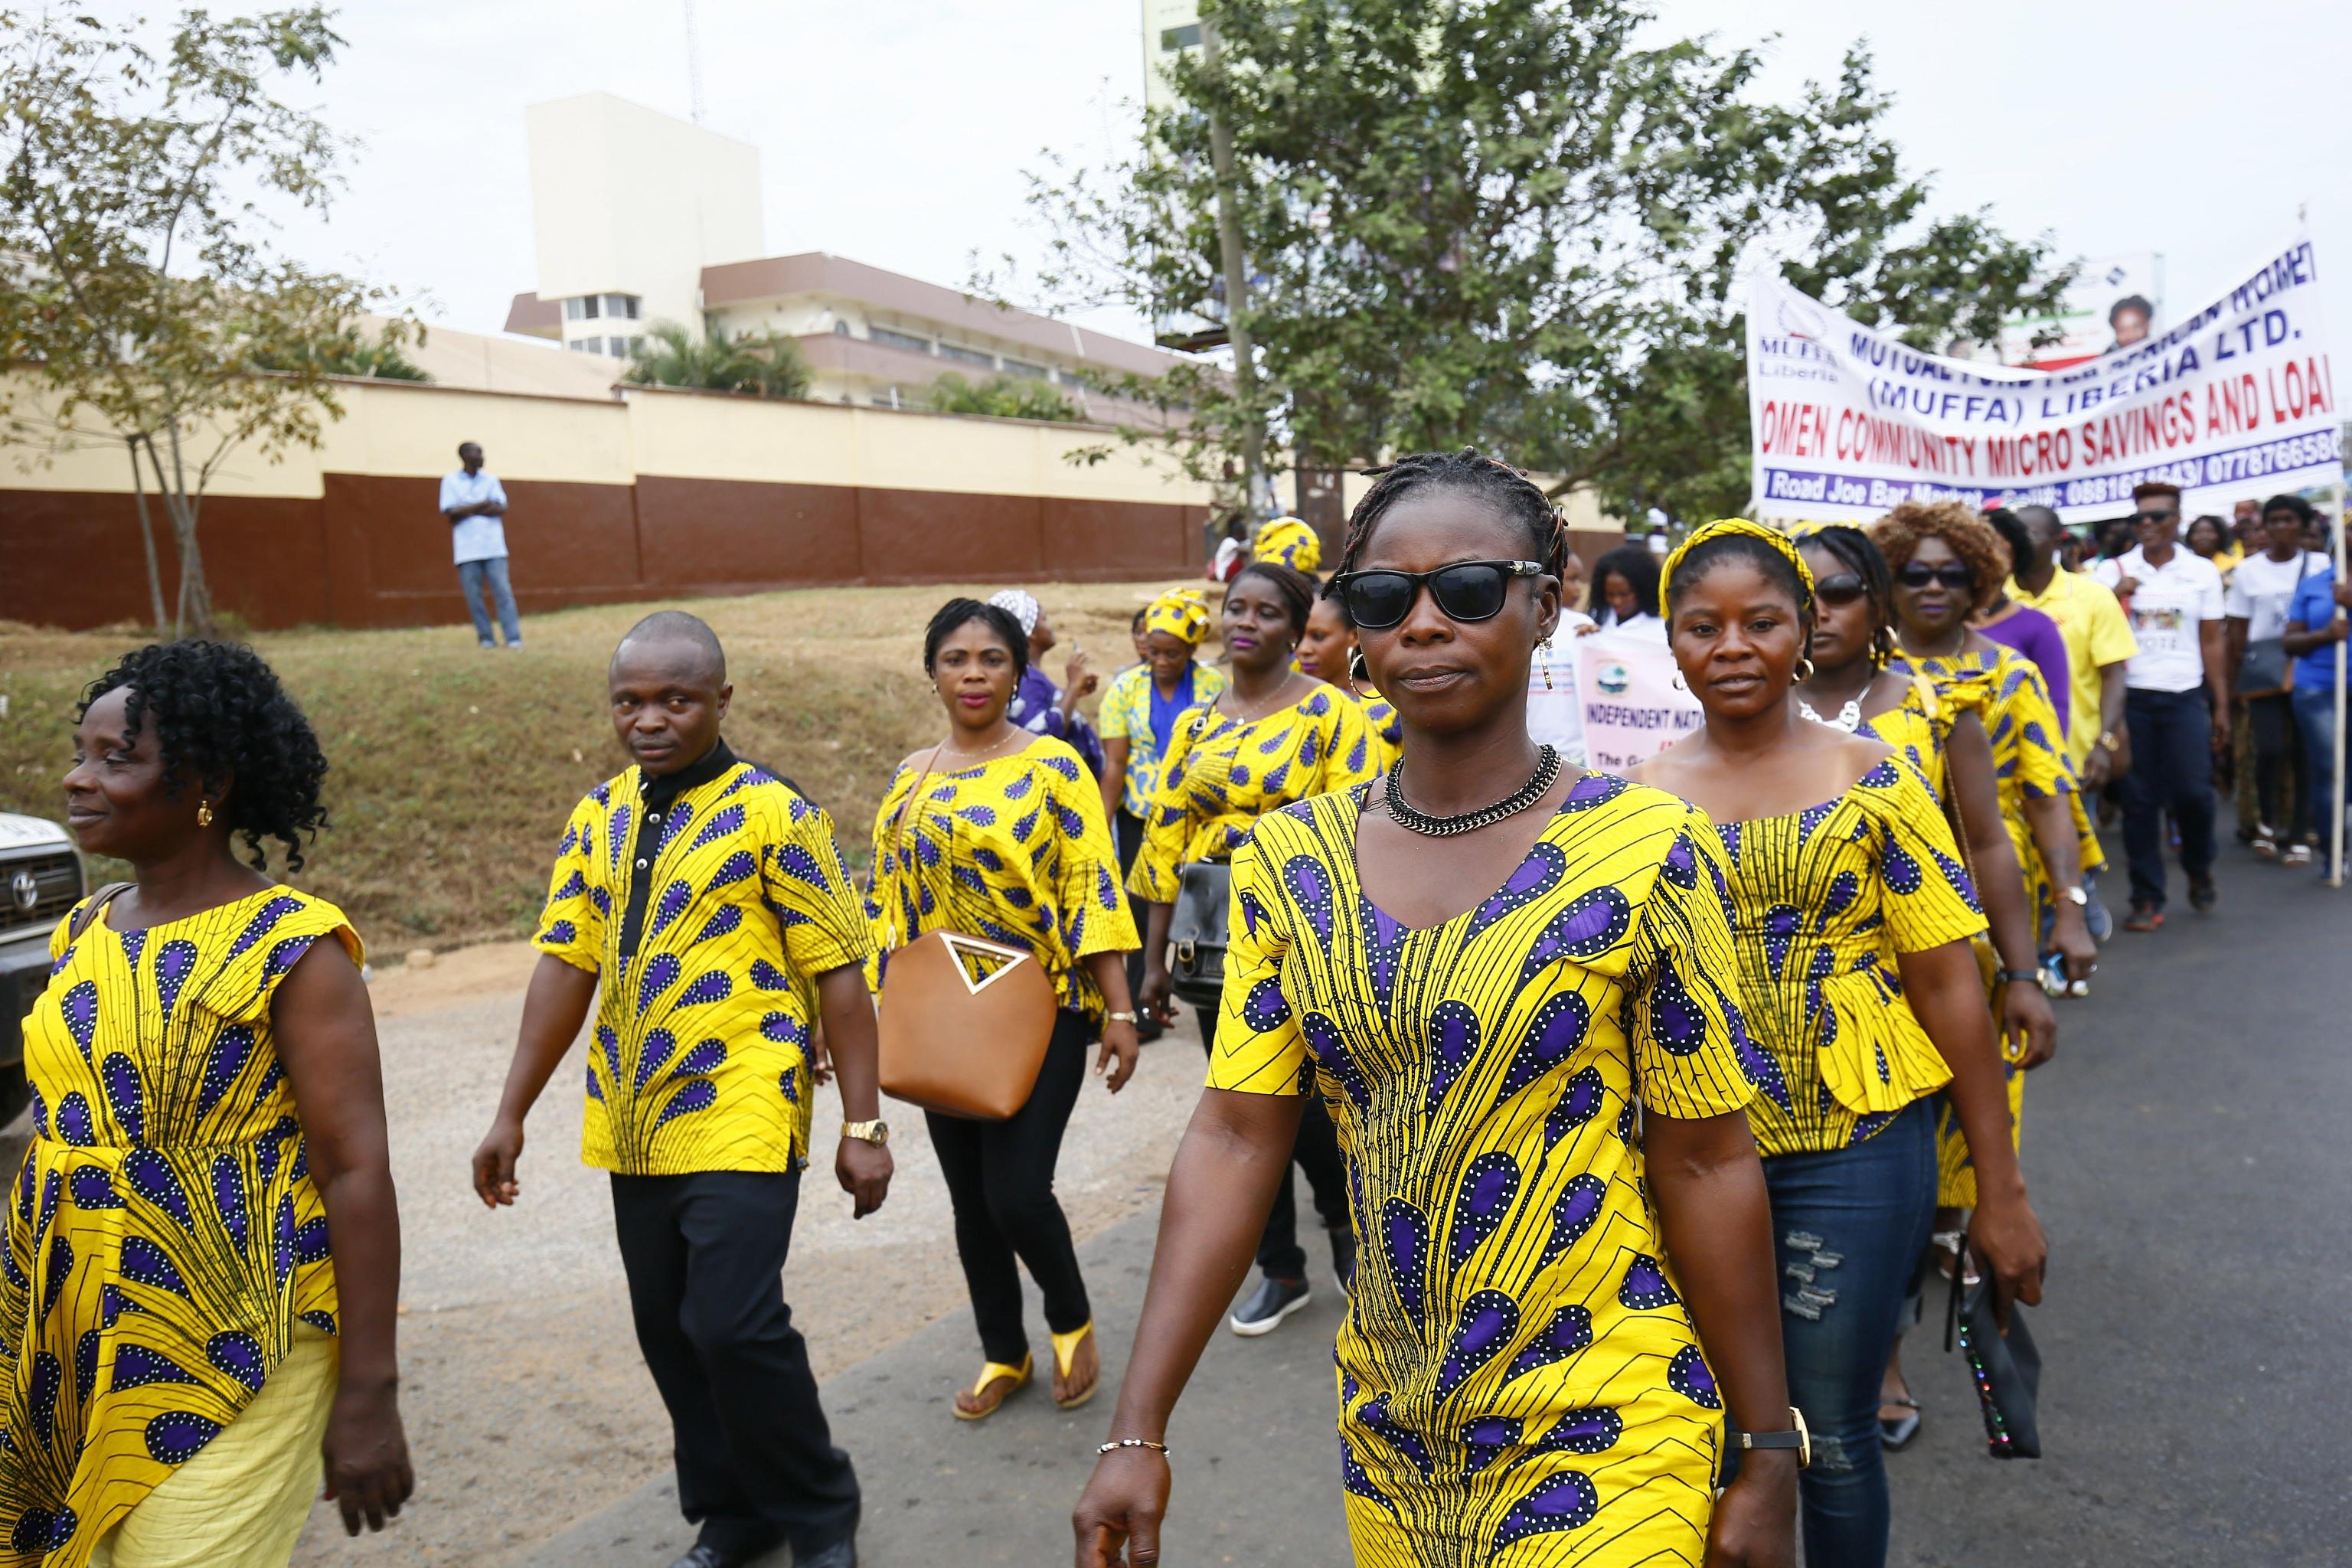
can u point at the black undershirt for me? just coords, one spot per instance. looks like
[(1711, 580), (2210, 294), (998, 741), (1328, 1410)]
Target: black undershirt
[(656, 796)]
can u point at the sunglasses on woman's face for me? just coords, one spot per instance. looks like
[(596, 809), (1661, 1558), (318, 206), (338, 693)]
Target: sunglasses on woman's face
[(1839, 588), (1919, 574), (1465, 591)]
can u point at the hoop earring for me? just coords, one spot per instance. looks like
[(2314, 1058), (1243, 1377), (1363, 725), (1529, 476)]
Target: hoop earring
[(1803, 673), (203, 814), (1678, 681), (1358, 672)]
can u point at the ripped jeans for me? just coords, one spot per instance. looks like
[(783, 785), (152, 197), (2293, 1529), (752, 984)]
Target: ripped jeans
[(1848, 1228)]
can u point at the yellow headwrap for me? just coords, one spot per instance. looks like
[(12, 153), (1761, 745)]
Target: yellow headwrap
[(1731, 525), (1290, 542), (1182, 613)]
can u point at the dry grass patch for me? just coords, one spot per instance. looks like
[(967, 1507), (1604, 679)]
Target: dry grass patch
[(454, 769)]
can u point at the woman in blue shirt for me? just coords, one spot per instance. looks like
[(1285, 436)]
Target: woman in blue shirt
[(2314, 625)]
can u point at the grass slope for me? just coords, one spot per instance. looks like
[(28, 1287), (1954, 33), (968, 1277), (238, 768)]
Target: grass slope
[(453, 769)]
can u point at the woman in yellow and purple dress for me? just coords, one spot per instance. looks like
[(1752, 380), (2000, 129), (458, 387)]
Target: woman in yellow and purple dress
[(1539, 1091), (1006, 841), (1853, 922), (1328, 652), (1946, 561), (1273, 736), (180, 1341)]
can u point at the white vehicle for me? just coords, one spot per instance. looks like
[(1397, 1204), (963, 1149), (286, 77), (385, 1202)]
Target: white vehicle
[(40, 880)]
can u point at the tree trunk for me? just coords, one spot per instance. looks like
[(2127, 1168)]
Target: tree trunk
[(147, 542), (195, 610)]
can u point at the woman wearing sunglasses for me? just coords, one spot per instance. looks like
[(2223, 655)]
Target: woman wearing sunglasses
[(1520, 1373), (1850, 688), (1272, 737), (1853, 922)]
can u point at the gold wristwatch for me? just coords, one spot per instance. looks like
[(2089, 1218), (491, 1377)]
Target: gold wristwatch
[(876, 1132)]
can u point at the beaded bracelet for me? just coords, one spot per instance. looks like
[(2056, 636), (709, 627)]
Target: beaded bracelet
[(1116, 1444)]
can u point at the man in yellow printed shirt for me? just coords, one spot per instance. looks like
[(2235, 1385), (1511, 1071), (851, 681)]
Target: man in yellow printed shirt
[(701, 904)]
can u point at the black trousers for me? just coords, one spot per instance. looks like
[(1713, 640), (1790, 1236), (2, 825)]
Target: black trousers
[(2172, 770), (705, 1257), (1317, 1153), (999, 1177), (1129, 829), (2281, 776)]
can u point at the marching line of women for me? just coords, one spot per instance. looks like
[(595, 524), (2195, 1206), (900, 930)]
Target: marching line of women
[(1634, 1110)]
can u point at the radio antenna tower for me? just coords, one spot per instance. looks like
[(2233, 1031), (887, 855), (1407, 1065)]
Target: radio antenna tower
[(693, 65)]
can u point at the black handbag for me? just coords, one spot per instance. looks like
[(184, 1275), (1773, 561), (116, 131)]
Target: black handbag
[(1197, 931), (2263, 669), (2007, 1367)]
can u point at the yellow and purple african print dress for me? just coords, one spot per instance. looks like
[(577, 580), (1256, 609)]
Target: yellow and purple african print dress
[(1519, 1381), (166, 1242), (1221, 774), (1825, 900), (1016, 850)]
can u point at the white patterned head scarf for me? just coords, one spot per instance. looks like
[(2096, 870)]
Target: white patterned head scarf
[(1023, 607)]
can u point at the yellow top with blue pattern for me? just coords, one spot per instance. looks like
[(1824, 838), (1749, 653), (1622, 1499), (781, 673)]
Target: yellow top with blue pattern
[(1015, 849), (1388, 730), (698, 1060), (167, 1239), (1126, 714), (1825, 900), (1519, 1381), (1222, 774)]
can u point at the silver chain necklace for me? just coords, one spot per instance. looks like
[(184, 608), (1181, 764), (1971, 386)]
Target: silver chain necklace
[(1849, 717), (1534, 789)]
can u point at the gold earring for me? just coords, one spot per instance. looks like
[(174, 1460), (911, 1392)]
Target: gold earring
[(1803, 673), (203, 814)]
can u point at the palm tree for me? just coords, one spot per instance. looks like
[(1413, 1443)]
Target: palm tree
[(766, 363)]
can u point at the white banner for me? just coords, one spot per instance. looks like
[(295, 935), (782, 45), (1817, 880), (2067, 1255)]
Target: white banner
[(2234, 402), (1632, 709)]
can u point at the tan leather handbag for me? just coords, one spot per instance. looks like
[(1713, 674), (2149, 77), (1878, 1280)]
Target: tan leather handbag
[(964, 1022)]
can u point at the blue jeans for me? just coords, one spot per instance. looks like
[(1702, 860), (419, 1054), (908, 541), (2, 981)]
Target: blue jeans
[(1848, 1230), (2172, 770), (2314, 715), (471, 575)]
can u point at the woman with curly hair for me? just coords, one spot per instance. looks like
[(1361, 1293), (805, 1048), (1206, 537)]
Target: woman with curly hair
[(181, 1345)]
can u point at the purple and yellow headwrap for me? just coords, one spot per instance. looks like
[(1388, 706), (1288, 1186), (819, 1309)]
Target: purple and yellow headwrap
[(1727, 526), (1290, 542), (1182, 613)]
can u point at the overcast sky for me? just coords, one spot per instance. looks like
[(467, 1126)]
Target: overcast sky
[(897, 132)]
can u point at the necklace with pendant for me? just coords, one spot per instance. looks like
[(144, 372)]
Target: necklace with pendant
[(1849, 717)]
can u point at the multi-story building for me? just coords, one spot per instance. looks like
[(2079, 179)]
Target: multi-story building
[(640, 218), (1171, 27)]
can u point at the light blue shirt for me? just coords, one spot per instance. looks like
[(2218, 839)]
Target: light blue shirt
[(476, 537)]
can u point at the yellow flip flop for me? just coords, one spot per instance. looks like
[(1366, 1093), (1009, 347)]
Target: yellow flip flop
[(1065, 1355), (991, 1375)]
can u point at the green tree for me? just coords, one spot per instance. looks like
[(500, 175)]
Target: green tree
[(380, 355), (1006, 397), (1513, 223), (767, 364), (139, 289)]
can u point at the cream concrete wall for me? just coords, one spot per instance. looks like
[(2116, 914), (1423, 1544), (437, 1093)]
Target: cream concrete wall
[(625, 199), (406, 429)]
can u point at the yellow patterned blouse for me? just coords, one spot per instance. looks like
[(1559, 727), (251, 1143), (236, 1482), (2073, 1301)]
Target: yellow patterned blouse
[(1219, 776), (1826, 899), (1519, 1381), (166, 1238), (1386, 729), (698, 1060), (1015, 849)]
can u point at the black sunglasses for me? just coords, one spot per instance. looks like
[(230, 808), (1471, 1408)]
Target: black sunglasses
[(1919, 574), (2153, 516), (1839, 588), (1465, 591)]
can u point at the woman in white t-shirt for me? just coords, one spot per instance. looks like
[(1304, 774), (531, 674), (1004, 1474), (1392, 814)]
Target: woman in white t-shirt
[(2256, 602), (1625, 593)]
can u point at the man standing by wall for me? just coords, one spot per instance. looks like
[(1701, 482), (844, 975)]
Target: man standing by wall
[(700, 904), (476, 505), (2177, 702)]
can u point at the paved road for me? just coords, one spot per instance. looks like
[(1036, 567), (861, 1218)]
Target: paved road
[(2186, 1150)]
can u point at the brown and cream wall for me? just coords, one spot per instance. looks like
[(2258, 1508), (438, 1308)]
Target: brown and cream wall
[(660, 495)]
